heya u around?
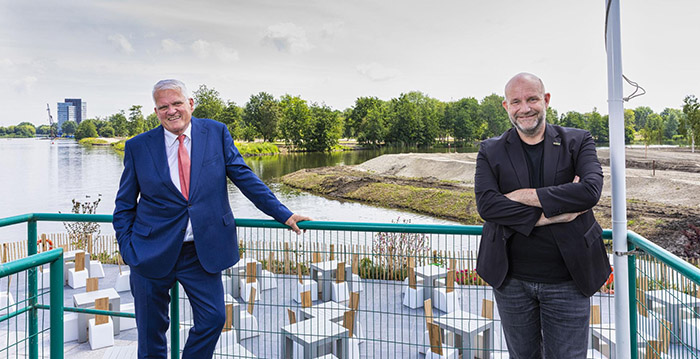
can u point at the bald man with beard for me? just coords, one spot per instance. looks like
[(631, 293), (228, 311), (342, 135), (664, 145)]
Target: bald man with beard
[(541, 249)]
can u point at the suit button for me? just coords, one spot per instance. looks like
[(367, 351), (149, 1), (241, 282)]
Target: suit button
[(183, 231), (189, 205)]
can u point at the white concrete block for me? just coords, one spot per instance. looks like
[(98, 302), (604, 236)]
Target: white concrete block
[(100, 336), (95, 270), (70, 327), (77, 279), (122, 284), (127, 323)]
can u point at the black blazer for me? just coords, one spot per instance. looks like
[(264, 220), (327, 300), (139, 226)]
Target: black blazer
[(501, 168)]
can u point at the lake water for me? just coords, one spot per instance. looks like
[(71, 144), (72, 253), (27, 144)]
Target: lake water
[(38, 175)]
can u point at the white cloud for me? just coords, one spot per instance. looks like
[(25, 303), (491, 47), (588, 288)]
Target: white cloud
[(331, 29), (6, 62), (287, 37), (122, 43), (25, 84), (170, 46), (205, 50), (377, 72)]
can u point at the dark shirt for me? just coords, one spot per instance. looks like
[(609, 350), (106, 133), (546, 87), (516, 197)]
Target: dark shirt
[(536, 258)]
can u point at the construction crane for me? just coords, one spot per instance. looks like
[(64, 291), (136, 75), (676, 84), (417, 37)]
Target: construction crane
[(51, 133)]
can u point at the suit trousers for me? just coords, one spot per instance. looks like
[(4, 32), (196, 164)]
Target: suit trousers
[(151, 302), (543, 320)]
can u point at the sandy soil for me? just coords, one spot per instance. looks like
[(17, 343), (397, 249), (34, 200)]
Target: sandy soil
[(662, 186)]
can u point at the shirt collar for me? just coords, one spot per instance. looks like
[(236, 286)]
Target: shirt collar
[(171, 138)]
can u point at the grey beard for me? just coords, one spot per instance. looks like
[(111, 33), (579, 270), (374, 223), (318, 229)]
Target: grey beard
[(532, 131)]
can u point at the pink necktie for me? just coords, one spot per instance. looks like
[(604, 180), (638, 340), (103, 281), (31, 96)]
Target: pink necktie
[(183, 166)]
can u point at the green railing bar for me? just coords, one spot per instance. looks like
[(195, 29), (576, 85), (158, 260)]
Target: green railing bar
[(14, 314), (72, 217), (366, 227), (683, 267), (90, 311), (8, 221), (56, 301), (632, 288), (33, 290), (25, 263)]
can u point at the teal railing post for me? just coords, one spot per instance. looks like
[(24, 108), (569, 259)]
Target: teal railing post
[(56, 311), (632, 280), (32, 289), (174, 322)]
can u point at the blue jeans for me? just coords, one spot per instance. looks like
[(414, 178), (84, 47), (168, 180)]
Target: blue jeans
[(542, 320)]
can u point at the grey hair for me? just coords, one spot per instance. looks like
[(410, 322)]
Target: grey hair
[(170, 84)]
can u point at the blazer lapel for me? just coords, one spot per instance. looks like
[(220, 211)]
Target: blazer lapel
[(517, 158), (552, 149), (156, 145), (199, 138)]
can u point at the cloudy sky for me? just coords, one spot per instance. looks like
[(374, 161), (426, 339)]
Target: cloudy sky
[(110, 53)]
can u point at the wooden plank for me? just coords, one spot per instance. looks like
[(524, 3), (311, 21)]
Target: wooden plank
[(487, 308), (228, 325), (332, 252), (91, 284), (356, 263), (251, 269), (411, 278), (428, 306), (349, 321), (354, 300), (595, 314), (101, 304), (79, 261), (301, 281), (251, 301), (286, 258), (340, 273), (306, 299), (435, 340), (450, 282), (292, 316)]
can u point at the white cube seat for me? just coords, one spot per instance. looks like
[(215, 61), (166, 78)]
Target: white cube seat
[(70, 327), (306, 286), (340, 292), (268, 280), (96, 270), (444, 300), (246, 289), (127, 323), (413, 298), (100, 336), (77, 279), (122, 284)]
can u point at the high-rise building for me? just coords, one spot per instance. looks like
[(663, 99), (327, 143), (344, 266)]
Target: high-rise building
[(66, 112), (80, 108)]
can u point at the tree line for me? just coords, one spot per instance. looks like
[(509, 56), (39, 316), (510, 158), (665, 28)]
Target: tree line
[(411, 119)]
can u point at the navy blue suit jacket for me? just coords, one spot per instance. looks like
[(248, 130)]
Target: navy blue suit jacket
[(150, 215), (501, 168)]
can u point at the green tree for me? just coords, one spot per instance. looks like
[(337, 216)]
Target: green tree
[(106, 131), (208, 103), (358, 113), (3, 131), (404, 124), (493, 115), (597, 125), (86, 129), (629, 126), (262, 113), (25, 129), (120, 124), (69, 127), (324, 130), (295, 120), (464, 117), (641, 114), (552, 116), (573, 119), (690, 125), (672, 120), (232, 117), (43, 130), (136, 122), (372, 128), (652, 131), (152, 121)]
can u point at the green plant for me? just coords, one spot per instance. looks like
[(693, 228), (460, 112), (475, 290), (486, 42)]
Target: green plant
[(80, 232)]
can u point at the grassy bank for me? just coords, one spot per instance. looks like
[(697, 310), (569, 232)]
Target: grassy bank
[(90, 141), (257, 148), (444, 199)]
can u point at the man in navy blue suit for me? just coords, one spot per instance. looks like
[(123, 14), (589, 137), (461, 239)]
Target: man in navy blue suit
[(541, 247), (173, 220)]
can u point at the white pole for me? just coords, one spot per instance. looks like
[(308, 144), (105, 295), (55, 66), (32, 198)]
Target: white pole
[(617, 171)]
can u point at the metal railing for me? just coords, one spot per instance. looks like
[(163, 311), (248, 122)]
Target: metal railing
[(378, 257)]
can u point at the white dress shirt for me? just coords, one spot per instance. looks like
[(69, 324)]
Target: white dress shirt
[(171, 146)]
